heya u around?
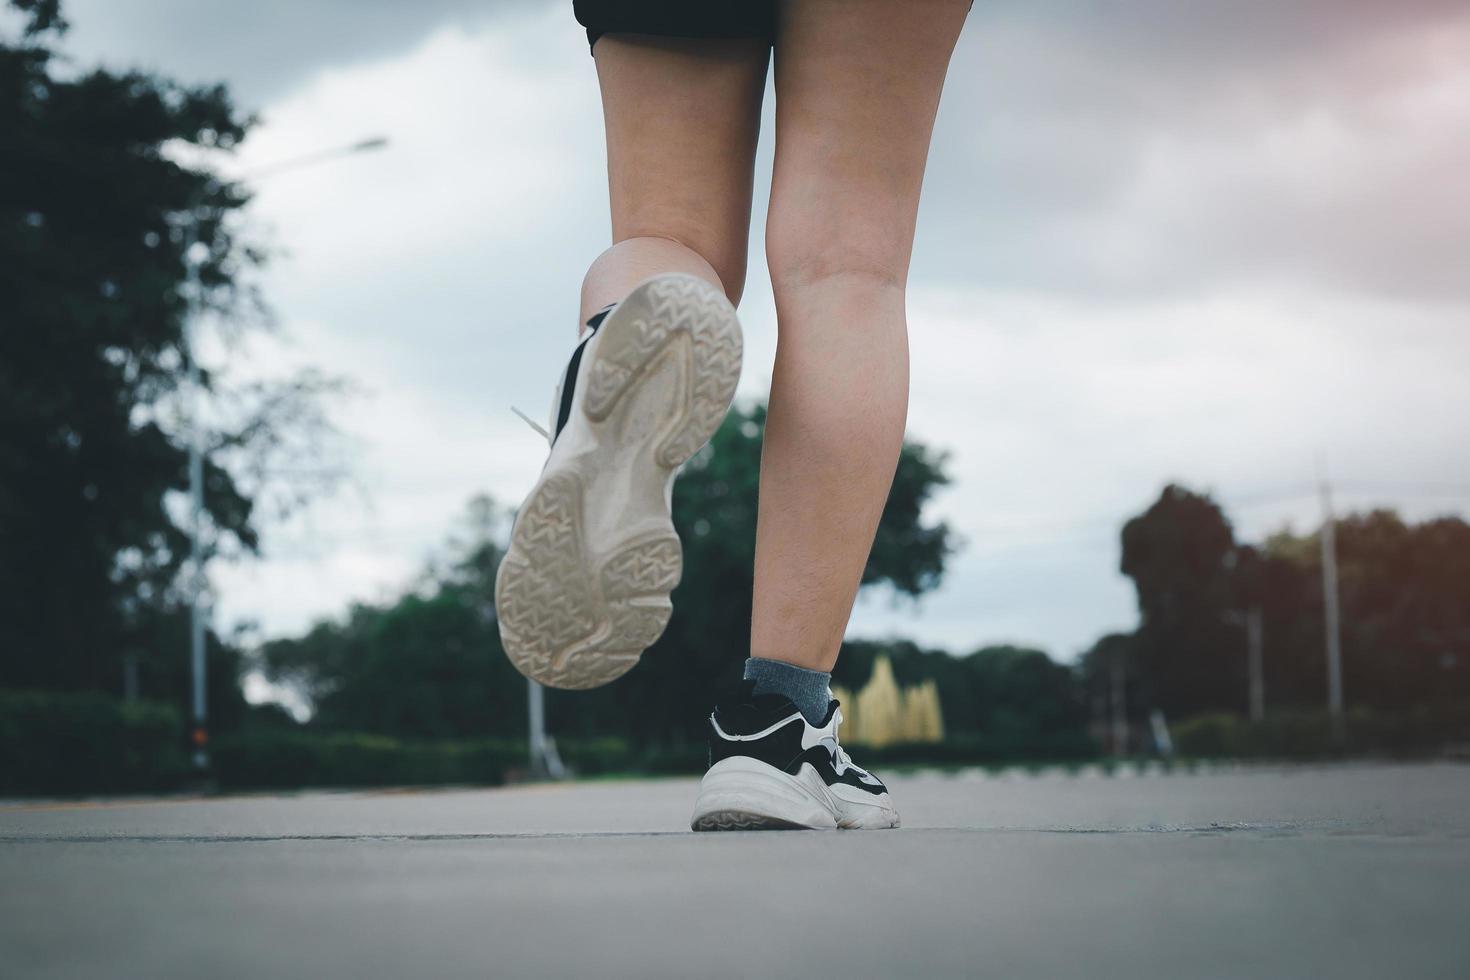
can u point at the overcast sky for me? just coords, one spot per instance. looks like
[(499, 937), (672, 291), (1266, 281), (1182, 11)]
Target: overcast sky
[(1201, 242)]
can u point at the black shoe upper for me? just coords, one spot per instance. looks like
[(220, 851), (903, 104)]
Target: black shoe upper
[(745, 714), (569, 379)]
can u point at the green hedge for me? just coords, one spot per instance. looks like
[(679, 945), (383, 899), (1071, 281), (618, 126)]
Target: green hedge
[(970, 749), (1310, 734), (88, 743), (965, 749), (287, 759), (595, 756), (302, 758)]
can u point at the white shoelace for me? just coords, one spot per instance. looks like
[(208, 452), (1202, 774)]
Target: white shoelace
[(556, 397), (532, 423)]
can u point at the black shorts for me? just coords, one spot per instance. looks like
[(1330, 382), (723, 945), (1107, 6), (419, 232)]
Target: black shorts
[(677, 18)]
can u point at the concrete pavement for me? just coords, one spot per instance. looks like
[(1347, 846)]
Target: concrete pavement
[(1344, 871)]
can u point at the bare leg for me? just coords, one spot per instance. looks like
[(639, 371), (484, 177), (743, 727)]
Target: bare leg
[(682, 118), (584, 586), (857, 88)]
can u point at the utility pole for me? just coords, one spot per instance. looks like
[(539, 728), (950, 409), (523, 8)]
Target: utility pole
[(1253, 662), (199, 736), (1331, 610)]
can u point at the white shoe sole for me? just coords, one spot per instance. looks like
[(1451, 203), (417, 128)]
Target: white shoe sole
[(741, 793), (584, 586)]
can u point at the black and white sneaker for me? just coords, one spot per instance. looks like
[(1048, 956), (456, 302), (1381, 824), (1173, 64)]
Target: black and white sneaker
[(584, 586), (772, 770)]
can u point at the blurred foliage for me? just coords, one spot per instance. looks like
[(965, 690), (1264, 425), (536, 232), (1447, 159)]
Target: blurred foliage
[(1405, 613), (280, 759), (307, 757), (431, 664), (73, 743), (41, 16), (1180, 554), (110, 245), (415, 669), (1308, 733), (1405, 596), (1019, 702)]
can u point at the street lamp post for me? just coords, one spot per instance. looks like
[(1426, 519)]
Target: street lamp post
[(199, 735), (1331, 607)]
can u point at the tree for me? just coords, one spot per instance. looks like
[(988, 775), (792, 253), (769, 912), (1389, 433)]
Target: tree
[(440, 646), (1181, 554), (109, 246), (429, 665), (1018, 699), (1111, 675), (1405, 591), (1404, 588)]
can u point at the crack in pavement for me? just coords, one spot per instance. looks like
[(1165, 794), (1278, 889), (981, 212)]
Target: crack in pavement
[(1318, 829)]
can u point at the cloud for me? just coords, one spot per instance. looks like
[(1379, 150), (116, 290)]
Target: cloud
[(1161, 147), (460, 249), (267, 48)]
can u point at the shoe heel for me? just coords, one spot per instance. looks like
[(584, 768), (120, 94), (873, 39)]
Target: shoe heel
[(746, 794), (670, 308)]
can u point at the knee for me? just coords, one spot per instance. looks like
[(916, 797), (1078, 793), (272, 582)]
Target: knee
[(855, 259)]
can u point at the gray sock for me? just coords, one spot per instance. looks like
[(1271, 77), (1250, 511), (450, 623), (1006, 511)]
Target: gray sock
[(809, 690)]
